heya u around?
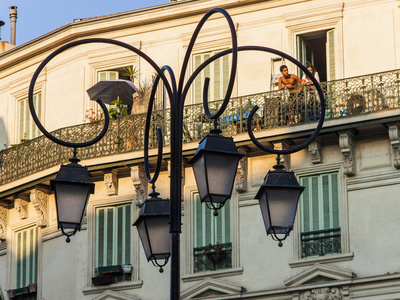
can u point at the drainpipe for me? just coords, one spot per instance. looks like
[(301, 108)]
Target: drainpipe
[(13, 20)]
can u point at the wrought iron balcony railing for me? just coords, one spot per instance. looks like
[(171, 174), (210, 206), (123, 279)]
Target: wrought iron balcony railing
[(320, 243), (345, 97)]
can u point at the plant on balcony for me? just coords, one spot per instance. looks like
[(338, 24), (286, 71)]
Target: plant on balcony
[(93, 116), (119, 110), (214, 254)]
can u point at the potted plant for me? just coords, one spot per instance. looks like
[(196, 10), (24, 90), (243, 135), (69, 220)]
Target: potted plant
[(127, 269), (215, 253)]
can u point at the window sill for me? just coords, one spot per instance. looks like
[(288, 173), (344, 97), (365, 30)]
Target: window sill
[(115, 287), (213, 274), (321, 259)]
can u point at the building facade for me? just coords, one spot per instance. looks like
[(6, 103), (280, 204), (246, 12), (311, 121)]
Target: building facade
[(338, 248)]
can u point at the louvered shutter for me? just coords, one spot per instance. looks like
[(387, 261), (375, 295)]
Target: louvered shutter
[(330, 55), (208, 228), (26, 257), (320, 202), (113, 235)]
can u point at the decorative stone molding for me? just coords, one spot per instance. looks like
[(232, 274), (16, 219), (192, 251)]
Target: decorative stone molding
[(394, 137), (39, 200), (111, 181), (241, 176), (315, 151), (323, 294), (140, 183), (3, 223), (285, 159), (346, 144), (21, 205)]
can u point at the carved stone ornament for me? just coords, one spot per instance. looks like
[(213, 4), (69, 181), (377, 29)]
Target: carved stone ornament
[(140, 183), (395, 142), (346, 144), (323, 294), (3, 223), (111, 182), (241, 176), (39, 200), (21, 205), (315, 151), (285, 159)]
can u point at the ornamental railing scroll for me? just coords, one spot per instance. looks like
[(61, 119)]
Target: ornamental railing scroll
[(346, 97), (320, 243)]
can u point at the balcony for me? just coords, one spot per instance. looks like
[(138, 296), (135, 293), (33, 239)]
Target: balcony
[(344, 98), (320, 243)]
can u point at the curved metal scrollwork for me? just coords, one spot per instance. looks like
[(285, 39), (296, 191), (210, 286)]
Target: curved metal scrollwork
[(106, 123)]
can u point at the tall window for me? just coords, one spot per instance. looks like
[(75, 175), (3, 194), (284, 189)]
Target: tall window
[(319, 211), (217, 71), (26, 244), (212, 237), (113, 235), (27, 129), (318, 49)]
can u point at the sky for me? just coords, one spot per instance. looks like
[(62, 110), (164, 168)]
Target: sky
[(38, 17)]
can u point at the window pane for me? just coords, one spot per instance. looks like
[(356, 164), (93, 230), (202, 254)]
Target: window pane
[(319, 207), (212, 237)]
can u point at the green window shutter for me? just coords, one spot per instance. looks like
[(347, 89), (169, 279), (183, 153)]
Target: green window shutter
[(208, 228), (21, 119), (217, 71), (26, 257), (319, 211), (330, 55), (113, 235), (107, 75)]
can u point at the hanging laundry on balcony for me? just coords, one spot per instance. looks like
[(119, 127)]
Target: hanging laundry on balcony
[(110, 90)]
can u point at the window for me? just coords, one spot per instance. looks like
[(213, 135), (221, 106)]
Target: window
[(212, 239), (217, 71), (27, 128), (320, 232), (318, 49), (113, 241), (26, 244)]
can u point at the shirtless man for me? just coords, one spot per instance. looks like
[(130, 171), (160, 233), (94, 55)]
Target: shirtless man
[(288, 80), (293, 83)]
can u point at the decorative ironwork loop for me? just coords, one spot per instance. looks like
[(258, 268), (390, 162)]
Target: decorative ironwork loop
[(207, 62), (106, 123), (159, 132)]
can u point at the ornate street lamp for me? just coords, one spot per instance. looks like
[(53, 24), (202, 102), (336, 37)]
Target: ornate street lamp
[(72, 188), (153, 229), (278, 197), (214, 165)]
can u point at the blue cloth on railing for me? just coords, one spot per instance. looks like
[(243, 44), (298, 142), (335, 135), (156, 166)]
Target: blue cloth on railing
[(236, 117)]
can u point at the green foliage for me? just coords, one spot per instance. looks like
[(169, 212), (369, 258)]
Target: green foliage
[(118, 109), (131, 72)]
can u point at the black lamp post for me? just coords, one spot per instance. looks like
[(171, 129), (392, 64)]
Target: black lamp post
[(214, 164)]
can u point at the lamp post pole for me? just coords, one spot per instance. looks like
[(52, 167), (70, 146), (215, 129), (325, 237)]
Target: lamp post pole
[(209, 150)]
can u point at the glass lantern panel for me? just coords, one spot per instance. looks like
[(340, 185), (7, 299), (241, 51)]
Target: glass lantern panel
[(282, 207), (159, 237), (71, 203), (221, 172)]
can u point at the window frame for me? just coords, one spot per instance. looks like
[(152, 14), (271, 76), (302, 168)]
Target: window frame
[(297, 260), (11, 259), (27, 116), (201, 76), (188, 239), (304, 22), (91, 254)]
